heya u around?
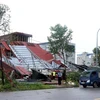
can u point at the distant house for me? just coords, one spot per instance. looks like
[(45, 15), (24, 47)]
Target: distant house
[(85, 59)]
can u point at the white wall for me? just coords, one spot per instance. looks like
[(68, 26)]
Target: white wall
[(85, 58)]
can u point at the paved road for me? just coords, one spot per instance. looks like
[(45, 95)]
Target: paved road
[(53, 94)]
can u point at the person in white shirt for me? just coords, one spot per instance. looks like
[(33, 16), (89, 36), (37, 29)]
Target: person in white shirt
[(59, 77)]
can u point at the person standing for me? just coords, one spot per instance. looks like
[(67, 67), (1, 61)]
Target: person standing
[(54, 74), (59, 77), (64, 75)]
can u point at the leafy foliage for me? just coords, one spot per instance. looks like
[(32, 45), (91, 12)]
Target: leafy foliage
[(6, 87), (70, 48), (59, 40), (4, 18), (73, 76), (98, 56)]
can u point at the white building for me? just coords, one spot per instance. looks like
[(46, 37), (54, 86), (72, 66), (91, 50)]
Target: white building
[(44, 46), (85, 59)]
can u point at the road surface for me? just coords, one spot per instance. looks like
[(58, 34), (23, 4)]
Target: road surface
[(54, 94)]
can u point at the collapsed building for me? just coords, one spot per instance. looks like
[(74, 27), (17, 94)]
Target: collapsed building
[(21, 56)]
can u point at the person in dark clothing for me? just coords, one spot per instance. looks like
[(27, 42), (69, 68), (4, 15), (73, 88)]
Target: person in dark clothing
[(64, 75), (59, 78)]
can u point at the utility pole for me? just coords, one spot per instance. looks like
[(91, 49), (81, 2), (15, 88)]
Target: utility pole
[(1, 65)]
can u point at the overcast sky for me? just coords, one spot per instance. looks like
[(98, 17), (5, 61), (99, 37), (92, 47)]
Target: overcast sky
[(36, 16)]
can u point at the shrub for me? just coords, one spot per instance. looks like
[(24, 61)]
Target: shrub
[(6, 87), (73, 76)]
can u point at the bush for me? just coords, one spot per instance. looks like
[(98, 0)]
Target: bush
[(73, 76), (6, 87)]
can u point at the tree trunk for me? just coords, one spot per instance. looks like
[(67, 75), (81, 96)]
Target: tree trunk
[(65, 67)]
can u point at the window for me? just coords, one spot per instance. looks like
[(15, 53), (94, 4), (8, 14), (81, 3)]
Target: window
[(93, 74)]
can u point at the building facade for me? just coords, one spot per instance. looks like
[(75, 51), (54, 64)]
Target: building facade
[(85, 59)]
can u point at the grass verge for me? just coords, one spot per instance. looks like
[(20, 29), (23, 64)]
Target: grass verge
[(24, 86)]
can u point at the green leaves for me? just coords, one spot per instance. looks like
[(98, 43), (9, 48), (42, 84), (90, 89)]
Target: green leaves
[(70, 48), (58, 31), (59, 40), (98, 56), (4, 18)]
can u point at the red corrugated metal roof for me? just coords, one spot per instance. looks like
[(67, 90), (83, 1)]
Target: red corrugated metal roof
[(57, 62), (63, 65), (5, 45), (22, 70), (41, 53)]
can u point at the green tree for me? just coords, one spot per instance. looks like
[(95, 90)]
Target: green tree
[(4, 28), (4, 19), (98, 56), (59, 41)]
